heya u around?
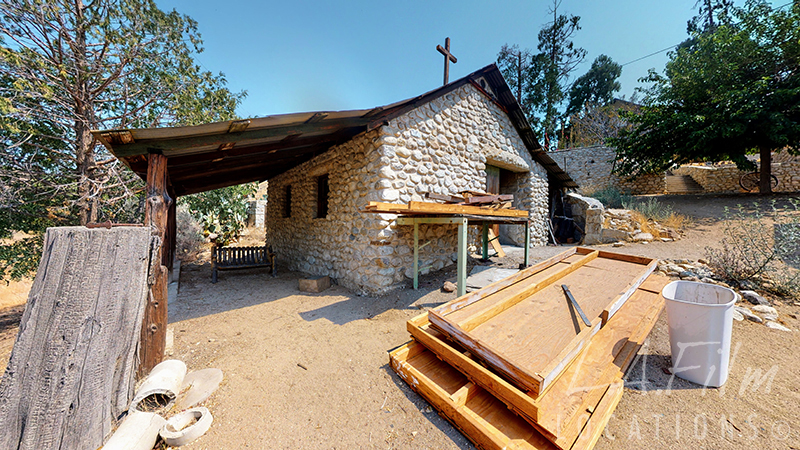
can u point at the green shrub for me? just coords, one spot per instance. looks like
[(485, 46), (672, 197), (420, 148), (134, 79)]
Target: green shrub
[(761, 247), (222, 212), (651, 208), (611, 197)]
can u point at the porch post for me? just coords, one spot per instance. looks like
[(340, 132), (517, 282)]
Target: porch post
[(416, 254), (157, 217), (485, 240), (462, 257), (527, 225)]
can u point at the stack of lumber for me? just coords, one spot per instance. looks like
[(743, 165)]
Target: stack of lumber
[(475, 198), (413, 207), (513, 365)]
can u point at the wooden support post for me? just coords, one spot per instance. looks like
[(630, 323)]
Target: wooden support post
[(462, 257), (154, 326), (172, 230), (527, 243), (416, 254), (485, 238)]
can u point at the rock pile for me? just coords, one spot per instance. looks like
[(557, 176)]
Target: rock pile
[(760, 312), (619, 225)]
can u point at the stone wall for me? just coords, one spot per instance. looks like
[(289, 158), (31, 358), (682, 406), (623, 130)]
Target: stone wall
[(588, 214), (591, 168), (725, 177), (257, 206), (256, 213), (441, 147)]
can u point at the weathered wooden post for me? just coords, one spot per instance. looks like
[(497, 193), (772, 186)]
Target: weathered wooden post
[(157, 217)]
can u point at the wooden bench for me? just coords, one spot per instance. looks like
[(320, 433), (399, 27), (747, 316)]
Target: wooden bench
[(227, 258)]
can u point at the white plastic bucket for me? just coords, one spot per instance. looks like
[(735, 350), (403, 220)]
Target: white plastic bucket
[(700, 319)]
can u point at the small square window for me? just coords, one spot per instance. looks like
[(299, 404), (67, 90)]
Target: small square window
[(322, 196)]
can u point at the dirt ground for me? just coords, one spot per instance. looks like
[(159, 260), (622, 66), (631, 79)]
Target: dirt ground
[(311, 370)]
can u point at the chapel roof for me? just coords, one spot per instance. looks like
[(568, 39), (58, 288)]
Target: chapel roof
[(220, 154)]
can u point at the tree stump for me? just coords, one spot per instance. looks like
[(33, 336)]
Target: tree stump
[(73, 367)]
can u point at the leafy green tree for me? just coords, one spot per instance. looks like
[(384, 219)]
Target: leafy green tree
[(735, 91), (540, 80), (563, 57), (524, 72), (596, 87), (710, 14), (68, 67)]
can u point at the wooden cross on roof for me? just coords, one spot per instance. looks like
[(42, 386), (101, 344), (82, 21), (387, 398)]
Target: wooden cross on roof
[(447, 58)]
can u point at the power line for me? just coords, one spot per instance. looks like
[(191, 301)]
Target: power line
[(673, 46), (651, 54)]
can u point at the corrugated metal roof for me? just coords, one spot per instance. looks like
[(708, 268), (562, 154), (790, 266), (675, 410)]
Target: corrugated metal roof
[(214, 155)]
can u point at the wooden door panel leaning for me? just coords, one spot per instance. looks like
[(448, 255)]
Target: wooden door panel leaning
[(560, 414), (526, 328)]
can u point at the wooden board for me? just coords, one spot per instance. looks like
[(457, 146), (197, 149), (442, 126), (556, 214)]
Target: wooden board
[(72, 369), (438, 208), (559, 414), (527, 329), (482, 418), (493, 240)]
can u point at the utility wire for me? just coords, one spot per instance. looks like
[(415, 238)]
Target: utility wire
[(673, 46), (651, 54)]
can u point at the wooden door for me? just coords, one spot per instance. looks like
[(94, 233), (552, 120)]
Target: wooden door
[(493, 187)]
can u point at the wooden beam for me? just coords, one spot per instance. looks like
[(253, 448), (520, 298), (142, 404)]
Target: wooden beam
[(154, 326), (291, 142), (215, 140), (210, 168)]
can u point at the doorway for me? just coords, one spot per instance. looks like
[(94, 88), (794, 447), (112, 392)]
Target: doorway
[(502, 181)]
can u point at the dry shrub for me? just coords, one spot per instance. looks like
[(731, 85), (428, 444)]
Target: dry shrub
[(761, 247), (644, 224), (190, 240), (676, 221)]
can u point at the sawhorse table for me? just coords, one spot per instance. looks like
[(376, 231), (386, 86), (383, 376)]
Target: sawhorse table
[(463, 221)]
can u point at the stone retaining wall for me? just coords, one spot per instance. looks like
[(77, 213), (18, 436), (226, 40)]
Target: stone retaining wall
[(723, 178), (442, 147), (591, 168)]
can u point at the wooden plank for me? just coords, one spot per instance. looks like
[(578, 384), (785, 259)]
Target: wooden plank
[(72, 369), (594, 429), (631, 288), (437, 208), (430, 338), (604, 361), (153, 338), (482, 316), (528, 331), (560, 412), (483, 419), (496, 244), (498, 286), (655, 283), (444, 198), (489, 199)]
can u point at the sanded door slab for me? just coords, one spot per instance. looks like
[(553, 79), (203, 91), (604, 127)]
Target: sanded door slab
[(526, 328)]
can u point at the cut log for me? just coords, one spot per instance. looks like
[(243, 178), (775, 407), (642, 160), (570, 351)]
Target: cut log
[(72, 370)]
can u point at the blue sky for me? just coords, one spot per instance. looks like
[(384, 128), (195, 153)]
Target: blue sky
[(301, 55)]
